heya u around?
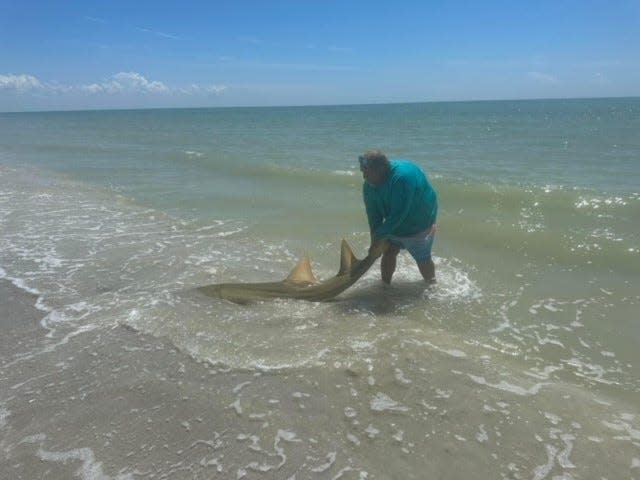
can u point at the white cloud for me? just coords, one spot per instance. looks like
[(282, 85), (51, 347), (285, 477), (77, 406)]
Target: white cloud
[(157, 33), (95, 19), (135, 81), (542, 77), (126, 82), (217, 89), (20, 83), (195, 89), (120, 83), (93, 88)]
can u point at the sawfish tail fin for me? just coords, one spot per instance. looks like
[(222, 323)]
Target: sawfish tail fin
[(347, 259), (301, 273)]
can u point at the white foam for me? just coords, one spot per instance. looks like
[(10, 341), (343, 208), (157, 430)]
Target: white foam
[(90, 469), (554, 419), (260, 467), (372, 431), (596, 203), (482, 436), (353, 439), (192, 153), (36, 438), (543, 374), (382, 402), (508, 387), (240, 386), (236, 406), (53, 346), (542, 471), (620, 426), (563, 456), (4, 414), (453, 284), (213, 462), (363, 475), (591, 371), (453, 352), (400, 377), (331, 459), (350, 412), (287, 436), (348, 173), (362, 345), (52, 318), (443, 393), (19, 283)]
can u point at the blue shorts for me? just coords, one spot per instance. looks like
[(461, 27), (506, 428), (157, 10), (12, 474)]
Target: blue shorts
[(419, 246)]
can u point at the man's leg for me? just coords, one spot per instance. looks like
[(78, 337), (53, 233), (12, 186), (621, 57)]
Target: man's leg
[(388, 262), (428, 270)]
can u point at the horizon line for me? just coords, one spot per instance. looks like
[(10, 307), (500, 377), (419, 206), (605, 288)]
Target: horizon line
[(319, 105)]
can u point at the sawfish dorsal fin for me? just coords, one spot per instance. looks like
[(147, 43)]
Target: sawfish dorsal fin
[(347, 258), (302, 273)]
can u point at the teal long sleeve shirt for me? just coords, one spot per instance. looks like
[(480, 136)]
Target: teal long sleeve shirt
[(403, 205)]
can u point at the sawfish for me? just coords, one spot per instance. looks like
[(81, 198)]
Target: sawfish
[(300, 283)]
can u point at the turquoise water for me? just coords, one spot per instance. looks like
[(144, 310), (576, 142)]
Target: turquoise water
[(529, 338)]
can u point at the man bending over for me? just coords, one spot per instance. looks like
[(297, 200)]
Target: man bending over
[(401, 208)]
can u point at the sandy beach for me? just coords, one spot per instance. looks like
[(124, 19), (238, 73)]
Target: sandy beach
[(115, 403), (111, 402)]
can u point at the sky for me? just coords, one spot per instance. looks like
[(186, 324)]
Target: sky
[(68, 55)]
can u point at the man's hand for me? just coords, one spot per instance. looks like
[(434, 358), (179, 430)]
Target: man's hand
[(378, 247)]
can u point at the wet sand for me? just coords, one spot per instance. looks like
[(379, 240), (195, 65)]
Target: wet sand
[(110, 402), (107, 403), (19, 319), (114, 403)]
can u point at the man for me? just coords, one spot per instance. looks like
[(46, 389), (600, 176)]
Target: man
[(401, 208)]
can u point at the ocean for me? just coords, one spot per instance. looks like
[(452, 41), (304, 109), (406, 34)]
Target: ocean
[(520, 363)]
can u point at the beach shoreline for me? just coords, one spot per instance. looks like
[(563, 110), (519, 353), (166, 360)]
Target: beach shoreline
[(17, 303), (113, 403), (19, 319)]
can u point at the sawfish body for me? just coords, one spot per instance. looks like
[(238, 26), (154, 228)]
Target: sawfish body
[(300, 283)]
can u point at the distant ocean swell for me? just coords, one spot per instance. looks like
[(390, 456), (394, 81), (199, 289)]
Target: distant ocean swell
[(554, 224)]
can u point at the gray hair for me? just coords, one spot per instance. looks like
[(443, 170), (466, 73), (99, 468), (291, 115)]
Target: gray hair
[(374, 158)]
